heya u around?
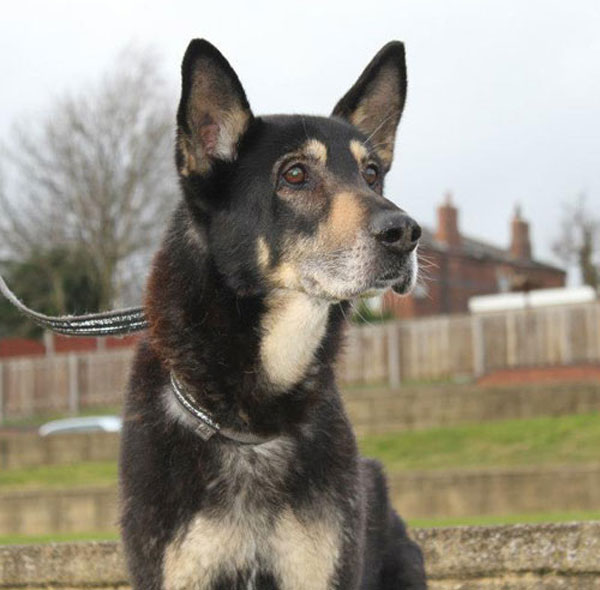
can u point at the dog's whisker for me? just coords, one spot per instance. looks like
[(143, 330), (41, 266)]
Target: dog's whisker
[(392, 113)]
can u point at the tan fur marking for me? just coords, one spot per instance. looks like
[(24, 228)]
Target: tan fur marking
[(316, 149), (303, 555), (306, 553), (285, 276), (264, 254), (345, 220), (359, 151), (187, 151), (293, 329), (202, 550)]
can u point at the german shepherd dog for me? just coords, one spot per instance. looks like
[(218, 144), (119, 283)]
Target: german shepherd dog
[(239, 468)]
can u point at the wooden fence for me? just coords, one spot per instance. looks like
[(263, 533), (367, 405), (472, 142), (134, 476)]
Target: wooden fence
[(62, 383), (430, 349), (450, 347)]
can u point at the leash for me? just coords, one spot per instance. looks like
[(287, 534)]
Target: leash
[(127, 321), (110, 323)]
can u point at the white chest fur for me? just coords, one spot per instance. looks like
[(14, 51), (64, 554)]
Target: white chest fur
[(300, 554), (293, 330)]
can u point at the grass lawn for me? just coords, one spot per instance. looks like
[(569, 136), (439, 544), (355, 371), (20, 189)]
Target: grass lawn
[(57, 538), (535, 441), (59, 476)]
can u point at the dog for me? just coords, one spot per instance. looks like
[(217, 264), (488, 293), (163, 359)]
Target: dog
[(239, 468)]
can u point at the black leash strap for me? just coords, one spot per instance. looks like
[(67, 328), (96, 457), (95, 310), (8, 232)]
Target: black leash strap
[(110, 323)]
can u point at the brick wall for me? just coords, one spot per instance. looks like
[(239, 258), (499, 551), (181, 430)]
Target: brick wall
[(57, 343)]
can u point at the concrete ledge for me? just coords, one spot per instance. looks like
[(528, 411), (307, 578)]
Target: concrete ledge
[(416, 407), (468, 552), (69, 510), (415, 494), (18, 450), (514, 490), (63, 565), (522, 557)]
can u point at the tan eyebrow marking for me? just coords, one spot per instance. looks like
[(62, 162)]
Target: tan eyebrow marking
[(359, 151), (316, 149)]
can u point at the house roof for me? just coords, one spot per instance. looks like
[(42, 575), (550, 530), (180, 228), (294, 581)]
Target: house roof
[(481, 250)]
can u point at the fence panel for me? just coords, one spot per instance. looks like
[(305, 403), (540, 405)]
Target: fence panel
[(426, 349), (459, 346)]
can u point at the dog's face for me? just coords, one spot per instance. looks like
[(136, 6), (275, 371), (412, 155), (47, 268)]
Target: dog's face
[(295, 202)]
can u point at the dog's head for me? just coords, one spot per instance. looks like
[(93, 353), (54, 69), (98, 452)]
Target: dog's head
[(290, 201)]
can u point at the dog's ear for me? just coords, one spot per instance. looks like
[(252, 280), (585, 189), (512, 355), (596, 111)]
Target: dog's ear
[(375, 103), (213, 112)]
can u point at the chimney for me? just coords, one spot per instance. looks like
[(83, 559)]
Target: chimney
[(520, 245), (447, 228)]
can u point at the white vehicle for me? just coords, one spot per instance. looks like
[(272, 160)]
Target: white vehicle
[(82, 424)]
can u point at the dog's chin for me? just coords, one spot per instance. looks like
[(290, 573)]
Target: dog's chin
[(404, 286)]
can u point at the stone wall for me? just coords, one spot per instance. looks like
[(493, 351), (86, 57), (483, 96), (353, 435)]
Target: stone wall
[(523, 557), (379, 410), (469, 492), (71, 510), (30, 449), (427, 494)]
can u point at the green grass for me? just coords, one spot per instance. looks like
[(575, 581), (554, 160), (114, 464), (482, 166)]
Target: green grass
[(58, 476), (535, 441), (57, 538), (530, 518)]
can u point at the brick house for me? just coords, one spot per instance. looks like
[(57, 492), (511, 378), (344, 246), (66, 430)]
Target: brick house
[(457, 267)]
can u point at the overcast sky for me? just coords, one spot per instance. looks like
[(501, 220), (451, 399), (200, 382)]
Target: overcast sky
[(503, 103)]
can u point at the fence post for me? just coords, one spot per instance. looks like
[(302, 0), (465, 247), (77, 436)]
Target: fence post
[(478, 346), (393, 338), (73, 384), (567, 348)]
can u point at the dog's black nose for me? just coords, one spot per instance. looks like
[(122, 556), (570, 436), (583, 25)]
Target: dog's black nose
[(396, 230)]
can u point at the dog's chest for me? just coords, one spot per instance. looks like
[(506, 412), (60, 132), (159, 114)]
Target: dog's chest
[(247, 540), (296, 554)]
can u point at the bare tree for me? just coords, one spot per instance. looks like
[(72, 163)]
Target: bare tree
[(96, 173), (579, 240)]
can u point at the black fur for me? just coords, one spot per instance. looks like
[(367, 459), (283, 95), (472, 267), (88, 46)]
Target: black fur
[(210, 300)]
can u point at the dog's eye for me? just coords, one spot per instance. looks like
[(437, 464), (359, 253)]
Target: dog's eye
[(295, 175), (371, 174)]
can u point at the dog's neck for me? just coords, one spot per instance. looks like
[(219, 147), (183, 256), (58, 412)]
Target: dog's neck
[(292, 328), (256, 360)]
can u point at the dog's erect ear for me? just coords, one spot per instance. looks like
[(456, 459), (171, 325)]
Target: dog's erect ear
[(374, 104), (213, 112)]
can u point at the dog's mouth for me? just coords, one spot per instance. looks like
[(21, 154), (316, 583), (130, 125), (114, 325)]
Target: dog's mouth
[(341, 286)]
